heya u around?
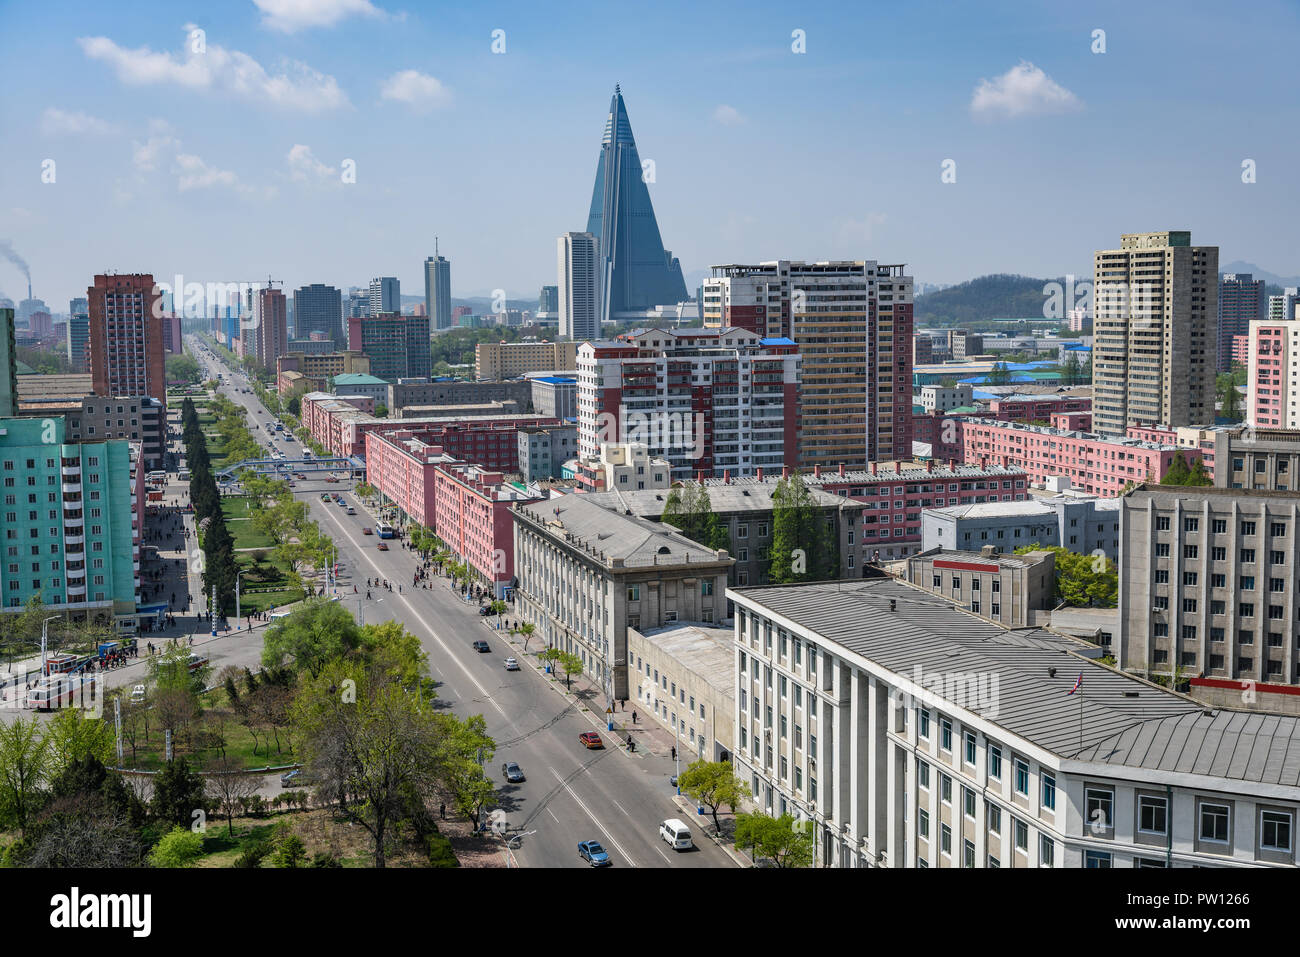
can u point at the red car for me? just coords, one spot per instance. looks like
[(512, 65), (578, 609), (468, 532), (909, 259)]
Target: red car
[(591, 740), (332, 479), (367, 531), (383, 546)]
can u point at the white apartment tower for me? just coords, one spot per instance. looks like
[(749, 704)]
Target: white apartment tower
[(578, 273)]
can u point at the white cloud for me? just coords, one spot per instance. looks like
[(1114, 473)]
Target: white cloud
[(416, 89), (728, 115), (1021, 91), (297, 86), (289, 16), (193, 173), (55, 122), (145, 155), (304, 167)]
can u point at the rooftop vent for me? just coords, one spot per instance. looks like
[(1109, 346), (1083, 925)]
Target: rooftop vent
[(1051, 672)]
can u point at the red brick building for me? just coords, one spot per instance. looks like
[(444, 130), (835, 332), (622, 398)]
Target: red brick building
[(125, 348)]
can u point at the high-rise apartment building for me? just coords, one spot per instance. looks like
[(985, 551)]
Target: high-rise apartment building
[(268, 339), (709, 401), (385, 295), (1241, 301), (1273, 375), (126, 343), (1155, 303), (358, 303), (397, 346), (548, 304), (71, 519), (505, 360), (437, 291), (635, 272), (577, 268), (852, 322), (77, 333), (1286, 306), (8, 364), (318, 308)]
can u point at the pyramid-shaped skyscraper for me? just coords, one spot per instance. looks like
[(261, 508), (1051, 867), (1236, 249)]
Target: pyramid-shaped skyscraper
[(637, 273)]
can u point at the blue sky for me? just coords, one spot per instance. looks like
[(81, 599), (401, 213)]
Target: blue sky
[(225, 165)]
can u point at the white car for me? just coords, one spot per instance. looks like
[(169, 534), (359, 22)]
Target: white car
[(512, 665), (137, 693)]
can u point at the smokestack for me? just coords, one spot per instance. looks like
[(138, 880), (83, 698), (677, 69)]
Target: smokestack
[(726, 476), (817, 471), (785, 471), (760, 473), (929, 465), (841, 470), (873, 468)]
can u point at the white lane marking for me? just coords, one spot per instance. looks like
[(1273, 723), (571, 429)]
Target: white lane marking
[(601, 827), (662, 854), (436, 637), (552, 814), (620, 807)]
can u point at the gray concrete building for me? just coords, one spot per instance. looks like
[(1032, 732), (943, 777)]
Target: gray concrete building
[(458, 392), (587, 573), (92, 418), (1007, 589), (909, 733), (543, 450), (684, 679), (1208, 588), (1081, 524), (555, 395)]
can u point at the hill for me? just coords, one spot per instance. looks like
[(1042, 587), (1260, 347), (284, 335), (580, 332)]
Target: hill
[(999, 296)]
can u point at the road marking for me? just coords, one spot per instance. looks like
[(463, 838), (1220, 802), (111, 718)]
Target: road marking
[(552, 814), (662, 854), (601, 827), (620, 807)]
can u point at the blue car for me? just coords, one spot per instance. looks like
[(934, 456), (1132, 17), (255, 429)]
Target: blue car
[(594, 854)]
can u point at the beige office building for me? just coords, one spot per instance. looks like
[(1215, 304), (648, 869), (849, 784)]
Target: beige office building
[(1155, 303), (506, 360)]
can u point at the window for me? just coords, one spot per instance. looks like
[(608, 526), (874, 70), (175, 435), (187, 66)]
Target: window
[(1214, 822), (1248, 528), (1049, 792), (968, 854), (1099, 806), (945, 839), (970, 747), (995, 761), (1022, 777), (1021, 831), (1096, 859), (633, 592), (945, 734), (925, 723), (923, 775), (923, 824), (1046, 851), (1275, 830), (945, 789), (968, 802)]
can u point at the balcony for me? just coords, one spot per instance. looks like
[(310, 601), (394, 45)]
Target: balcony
[(72, 471), (74, 539), (72, 488)]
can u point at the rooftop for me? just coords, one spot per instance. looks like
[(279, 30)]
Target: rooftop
[(1002, 559), (738, 495), (703, 649), (1126, 721), (608, 534), (357, 378)]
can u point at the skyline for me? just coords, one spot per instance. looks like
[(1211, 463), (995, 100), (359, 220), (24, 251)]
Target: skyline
[(749, 140)]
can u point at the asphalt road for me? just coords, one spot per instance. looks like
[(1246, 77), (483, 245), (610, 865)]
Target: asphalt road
[(570, 794)]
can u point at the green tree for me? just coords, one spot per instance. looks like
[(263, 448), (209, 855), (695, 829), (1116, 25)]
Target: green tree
[(572, 665), (802, 549), (72, 737), (177, 793), (776, 839), (689, 508), (179, 847), (25, 766), (999, 374), (713, 784), (464, 747), (289, 850), (1180, 473), (315, 633), (1087, 581)]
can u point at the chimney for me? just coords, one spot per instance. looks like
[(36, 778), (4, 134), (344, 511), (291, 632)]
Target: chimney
[(984, 461), (785, 471), (726, 476), (760, 473), (841, 470), (873, 468), (817, 471), (699, 476), (929, 465), (989, 551)]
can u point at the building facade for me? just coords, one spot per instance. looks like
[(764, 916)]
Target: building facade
[(682, 678), (543, 450), (437, 291), (578, 274), (1242, 300), (907, 733), (318, 308), (1082, 524), (586, 574), (555, 395), (852, 323), (385, 296), (1007, 589), (711, 400), (125, 345), (1155, 347), (402, 395), (508, 360), (268, 339), (397, 346)]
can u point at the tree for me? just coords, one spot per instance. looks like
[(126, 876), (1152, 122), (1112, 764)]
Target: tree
[(288, 848), (777, 839), (312, 635), (713, 784), (998, 375), (572, 665), (230, 787), (72, 736), (689, 508), (183, 369), (801, 540), (1180, 473), (463, 748), (1089, 581), (177, 793), (526, 629), (1229, 396), (179, 847), (381, 411), (25, 763)]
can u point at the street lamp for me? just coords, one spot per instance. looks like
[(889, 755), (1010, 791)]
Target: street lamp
[(45, 639), (361, 609), (238, 616)]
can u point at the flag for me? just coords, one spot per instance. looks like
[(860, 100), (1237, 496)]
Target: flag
[(1077, 684)]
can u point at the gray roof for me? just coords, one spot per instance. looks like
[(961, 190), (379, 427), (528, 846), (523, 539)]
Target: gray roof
[(608, 534), (738, 495), (703, 649), (1126, 721)]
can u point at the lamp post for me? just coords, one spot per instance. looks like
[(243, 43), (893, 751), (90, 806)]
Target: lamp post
[(45, 637), (238, 617)]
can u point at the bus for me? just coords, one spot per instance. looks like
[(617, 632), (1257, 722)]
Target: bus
[(62, 692), (384, 530), (156, 478)]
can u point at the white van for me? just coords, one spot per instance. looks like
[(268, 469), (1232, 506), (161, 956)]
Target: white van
[(677, 834)]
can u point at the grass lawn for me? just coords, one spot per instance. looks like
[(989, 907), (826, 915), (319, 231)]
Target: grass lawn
[(320, 831), (251, 752), (237, 511)]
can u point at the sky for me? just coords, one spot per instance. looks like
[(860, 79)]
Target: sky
[(133, 143)]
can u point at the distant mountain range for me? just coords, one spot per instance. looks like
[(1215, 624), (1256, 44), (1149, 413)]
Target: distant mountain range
[(1272, 279), (1000, 296), (482, 305)]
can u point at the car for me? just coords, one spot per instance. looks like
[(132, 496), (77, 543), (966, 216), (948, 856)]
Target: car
[(382, 546), (293, 485), (594, 854), (324, 496), (351, 510), (484, 610), (332, 478), (481, 647), (591, 740), (512, 664), (291, 778), (512, 772), (367, 531), (137, 693)]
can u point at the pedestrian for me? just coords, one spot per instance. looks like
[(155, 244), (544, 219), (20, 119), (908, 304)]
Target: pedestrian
[(442, 810), (634, 717)]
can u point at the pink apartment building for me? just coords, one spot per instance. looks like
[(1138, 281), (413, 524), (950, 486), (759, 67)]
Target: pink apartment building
[(1272, 375), (1096, 463)]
